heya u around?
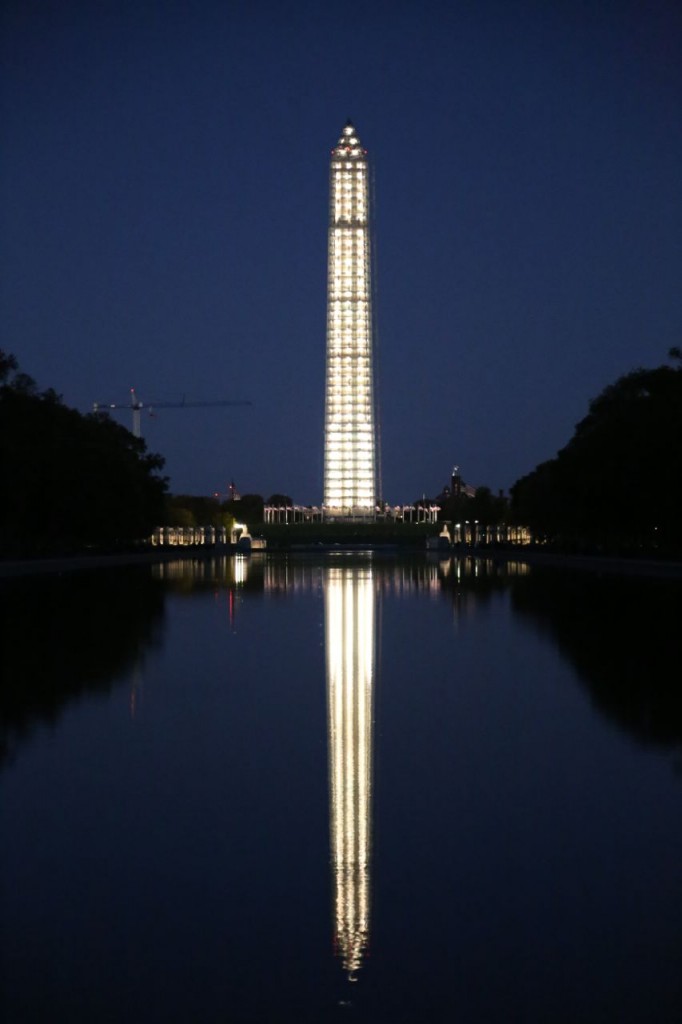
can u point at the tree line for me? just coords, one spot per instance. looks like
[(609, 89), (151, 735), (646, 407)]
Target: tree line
[(617, 485), (187, 510), (74, 482), (71, 482)]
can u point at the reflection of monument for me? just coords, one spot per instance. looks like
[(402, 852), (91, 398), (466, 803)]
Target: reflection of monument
[(350, 622)]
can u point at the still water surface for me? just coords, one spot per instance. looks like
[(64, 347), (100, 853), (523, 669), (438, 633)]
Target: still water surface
[(356, 789)]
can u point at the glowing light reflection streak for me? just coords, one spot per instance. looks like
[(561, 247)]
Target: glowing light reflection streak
[(350, 646)]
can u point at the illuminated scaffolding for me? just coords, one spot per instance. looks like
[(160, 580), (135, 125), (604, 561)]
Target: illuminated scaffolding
[(350, 452)]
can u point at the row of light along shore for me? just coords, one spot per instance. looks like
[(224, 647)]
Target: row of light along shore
[(238, 537)]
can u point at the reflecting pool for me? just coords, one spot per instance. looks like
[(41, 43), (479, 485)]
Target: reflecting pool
[(353, 787)]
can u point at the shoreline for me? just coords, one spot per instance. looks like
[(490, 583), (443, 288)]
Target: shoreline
[(76, 563), (618, 565), (613, 564)]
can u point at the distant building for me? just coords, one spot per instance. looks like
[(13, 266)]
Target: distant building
[(350, 447), (456, 488)]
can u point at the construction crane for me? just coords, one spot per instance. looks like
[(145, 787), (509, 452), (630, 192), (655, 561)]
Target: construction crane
[(137, 405)]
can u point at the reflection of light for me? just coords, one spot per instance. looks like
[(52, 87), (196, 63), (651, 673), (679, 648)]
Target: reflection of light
[(240, 569), (349, 615)]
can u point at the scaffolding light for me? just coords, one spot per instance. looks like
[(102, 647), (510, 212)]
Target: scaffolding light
[(350, 447)]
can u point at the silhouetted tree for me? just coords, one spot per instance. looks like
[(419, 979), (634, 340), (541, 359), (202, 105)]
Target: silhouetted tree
[(484, 506), (195, 510), (70, 481), (618, 481), (488, 509), (249, 509)]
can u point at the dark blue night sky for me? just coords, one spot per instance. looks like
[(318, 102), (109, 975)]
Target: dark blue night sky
[(164, 208)]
